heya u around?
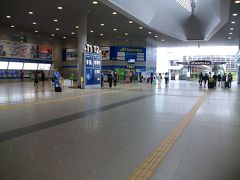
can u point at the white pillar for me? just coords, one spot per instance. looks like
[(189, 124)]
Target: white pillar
[(82, 40)]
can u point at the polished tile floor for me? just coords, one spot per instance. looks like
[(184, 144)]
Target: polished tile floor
[(104, 134)]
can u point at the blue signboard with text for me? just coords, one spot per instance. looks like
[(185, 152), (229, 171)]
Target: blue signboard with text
[(127, 53)]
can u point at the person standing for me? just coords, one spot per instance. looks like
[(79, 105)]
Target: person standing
[(110, 78), (42, 77), (166, 78), (151, 77), (36, 78), (200, 78), (21, 75), (215, 78), (230, 79), (115, 77), (224, 78), (219, 79), (102, 80), (206, 79), (159, 79)]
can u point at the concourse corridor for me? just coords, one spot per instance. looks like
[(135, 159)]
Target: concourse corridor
[(132, 131)]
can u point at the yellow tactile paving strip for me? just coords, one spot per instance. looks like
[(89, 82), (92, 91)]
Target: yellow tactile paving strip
[(147, 168)]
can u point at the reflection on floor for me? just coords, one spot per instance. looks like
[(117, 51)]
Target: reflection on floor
[(104, 134)]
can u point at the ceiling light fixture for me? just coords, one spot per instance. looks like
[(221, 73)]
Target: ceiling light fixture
[(57, 29), (102, 24), (114, 13), (91, 31), (8, 17), (233, 22), (234, 14), (12, 26), (36, 31), (64, 37), (126, 34), (95, 2), (101, 34), (162, 40), (77, 27), (34, 23), (229, 37), (232, 29), (130, 22), (55, 20), (149, 32), (60, 7), (115, 29), (73, 32), (52, 35), (140, 27), (230, 33), (156, 36), (30, 12), (237, 2)]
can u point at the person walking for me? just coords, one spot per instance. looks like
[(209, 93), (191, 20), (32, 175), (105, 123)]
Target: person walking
[(215, 78), (36, 78), (110, 78), (206, 79), (42, 77), (115, 77), (159, 79), (166, 78), (200, 78), (219, 77), (102, 80), (224, 78), (151, 77), (230, 79), (21, 75)]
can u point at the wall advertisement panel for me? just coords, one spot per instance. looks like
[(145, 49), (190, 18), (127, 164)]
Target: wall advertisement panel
[(11, 49), (105, 53)]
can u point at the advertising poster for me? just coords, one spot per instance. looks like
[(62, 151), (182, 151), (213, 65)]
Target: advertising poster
[(105, 53), (45, 52), (71, 55), (23, 50), (89, 76)]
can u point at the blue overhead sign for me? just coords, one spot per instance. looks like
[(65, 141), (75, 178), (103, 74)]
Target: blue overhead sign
[(127, 53)]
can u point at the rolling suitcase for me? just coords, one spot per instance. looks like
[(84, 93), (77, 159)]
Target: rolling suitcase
[(58, 89)]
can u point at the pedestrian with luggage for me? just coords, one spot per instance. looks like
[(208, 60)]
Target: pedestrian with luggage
[(57, 81), (206, 79)]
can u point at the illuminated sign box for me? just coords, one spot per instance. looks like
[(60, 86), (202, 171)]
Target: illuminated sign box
[(200, 63), (15, 65), (3, 64), (30, 66), (45, 67)]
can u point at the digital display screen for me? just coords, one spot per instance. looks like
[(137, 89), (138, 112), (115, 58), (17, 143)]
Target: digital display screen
[(15, 65), (44, 67), (30, 66), (3, 64)]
